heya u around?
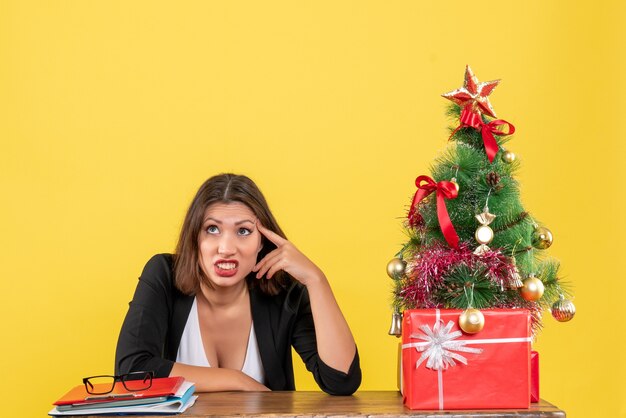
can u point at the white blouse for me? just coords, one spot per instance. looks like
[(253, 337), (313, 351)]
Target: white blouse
[(191, 349)]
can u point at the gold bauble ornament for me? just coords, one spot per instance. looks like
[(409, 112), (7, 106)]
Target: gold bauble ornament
[(508, 157), (563, 309), (395, 268), (471, 321), (542, 238), (533, 289), (454, 182)]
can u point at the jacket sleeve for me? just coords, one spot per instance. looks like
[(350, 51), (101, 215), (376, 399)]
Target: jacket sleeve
[(140, 346), (330, 380)]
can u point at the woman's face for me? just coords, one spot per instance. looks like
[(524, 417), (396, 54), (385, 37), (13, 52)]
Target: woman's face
[(229, 243)]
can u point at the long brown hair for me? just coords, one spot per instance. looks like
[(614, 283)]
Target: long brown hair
[(223, 188)]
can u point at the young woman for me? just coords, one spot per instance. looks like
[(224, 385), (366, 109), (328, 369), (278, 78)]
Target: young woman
[(226, 308)]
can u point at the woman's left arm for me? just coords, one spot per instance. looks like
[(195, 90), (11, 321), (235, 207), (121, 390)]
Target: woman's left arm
[(335, 344)]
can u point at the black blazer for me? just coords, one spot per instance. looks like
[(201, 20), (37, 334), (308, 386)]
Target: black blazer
[(157, 315)]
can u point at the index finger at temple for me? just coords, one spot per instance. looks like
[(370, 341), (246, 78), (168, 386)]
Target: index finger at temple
[(271, 235)]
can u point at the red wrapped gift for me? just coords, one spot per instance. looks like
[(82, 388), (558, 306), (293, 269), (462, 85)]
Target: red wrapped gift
[(444, 368), (534, 376)]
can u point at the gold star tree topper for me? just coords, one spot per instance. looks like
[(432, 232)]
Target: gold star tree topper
[(474, 95)]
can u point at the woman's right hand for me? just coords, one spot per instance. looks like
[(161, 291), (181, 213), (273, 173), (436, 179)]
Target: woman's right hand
[(251, 385), (215, 379)]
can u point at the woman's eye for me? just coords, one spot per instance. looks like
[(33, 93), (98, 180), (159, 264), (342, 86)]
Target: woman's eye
[(244, 231), (212, 229)]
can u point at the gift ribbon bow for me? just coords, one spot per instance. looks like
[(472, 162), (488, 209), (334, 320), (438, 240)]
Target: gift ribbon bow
[(440, 345), (445, 190), (487, 130)]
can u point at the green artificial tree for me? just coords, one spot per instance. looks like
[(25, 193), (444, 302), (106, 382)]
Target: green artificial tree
[(472, 245)]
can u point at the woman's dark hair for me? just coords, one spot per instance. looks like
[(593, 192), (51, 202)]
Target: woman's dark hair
[(223, 188)]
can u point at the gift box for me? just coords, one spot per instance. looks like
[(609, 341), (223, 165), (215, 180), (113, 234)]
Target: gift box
[(534, 377), (444, 368)]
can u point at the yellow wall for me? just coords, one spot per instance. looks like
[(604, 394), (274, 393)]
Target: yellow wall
[(113, 112)]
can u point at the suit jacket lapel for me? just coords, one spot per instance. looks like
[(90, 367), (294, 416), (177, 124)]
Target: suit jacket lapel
[(272, 366), (181, 306)]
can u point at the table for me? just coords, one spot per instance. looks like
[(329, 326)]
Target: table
[(317, 404)]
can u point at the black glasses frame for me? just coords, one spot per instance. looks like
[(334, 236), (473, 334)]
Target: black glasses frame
[(142, 375)]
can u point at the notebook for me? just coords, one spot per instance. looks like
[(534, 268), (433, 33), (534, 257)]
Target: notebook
[(182, 400)]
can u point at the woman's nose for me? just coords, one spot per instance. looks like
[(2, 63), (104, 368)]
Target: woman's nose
[(226, 245)]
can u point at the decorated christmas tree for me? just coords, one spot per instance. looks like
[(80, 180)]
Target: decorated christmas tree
[(472, 245)]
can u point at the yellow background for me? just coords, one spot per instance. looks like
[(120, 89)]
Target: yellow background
[(112, 113)]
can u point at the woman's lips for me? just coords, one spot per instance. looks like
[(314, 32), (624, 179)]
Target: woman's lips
[(226, 268)]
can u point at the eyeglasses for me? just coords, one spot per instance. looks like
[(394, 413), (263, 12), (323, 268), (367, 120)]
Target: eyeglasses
[(132, 382)]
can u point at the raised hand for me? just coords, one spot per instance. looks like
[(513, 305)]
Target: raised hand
[(288, 258), (335, 343)]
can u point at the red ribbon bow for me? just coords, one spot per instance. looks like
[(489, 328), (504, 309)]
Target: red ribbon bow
[(445, 190), (488, 130)]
